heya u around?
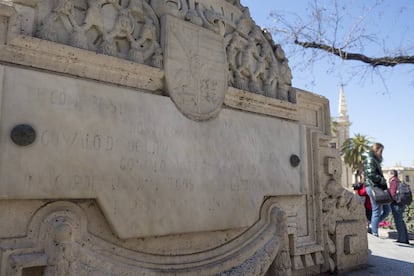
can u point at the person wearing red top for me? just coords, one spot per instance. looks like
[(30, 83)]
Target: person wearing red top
[(368, 207), (397, 211), (361, 191)]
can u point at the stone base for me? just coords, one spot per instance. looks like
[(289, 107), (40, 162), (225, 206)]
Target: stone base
[(61, 237)]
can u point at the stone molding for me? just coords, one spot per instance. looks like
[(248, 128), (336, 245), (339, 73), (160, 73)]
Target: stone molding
[(244, 100), (31, 51), (58, 242)]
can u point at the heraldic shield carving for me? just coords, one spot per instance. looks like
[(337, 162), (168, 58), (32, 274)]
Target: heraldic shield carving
[(195, 68)]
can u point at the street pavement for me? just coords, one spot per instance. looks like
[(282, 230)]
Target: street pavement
[(387, 257)]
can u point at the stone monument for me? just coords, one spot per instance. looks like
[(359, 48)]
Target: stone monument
[(163, 137)]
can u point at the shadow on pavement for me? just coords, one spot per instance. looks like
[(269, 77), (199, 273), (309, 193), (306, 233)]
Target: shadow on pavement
[(386, 257), (393, 235), (383, 266)]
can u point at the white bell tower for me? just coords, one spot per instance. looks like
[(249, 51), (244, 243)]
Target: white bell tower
[(341, 134)]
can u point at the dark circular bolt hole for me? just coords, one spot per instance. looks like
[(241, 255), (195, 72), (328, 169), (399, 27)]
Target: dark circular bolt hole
[(294, 160), (23, 135)]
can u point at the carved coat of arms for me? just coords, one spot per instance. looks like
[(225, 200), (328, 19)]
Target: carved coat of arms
[(195, 68)]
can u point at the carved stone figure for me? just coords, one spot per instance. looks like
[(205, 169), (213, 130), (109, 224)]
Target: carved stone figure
[(194, 15), (271, 80), (94, 17), (247, 66), (62, 15), (176, 8), (132, 34), (235, 44), (256, 64), (285, 75), (60, 250), (212, 20), (235, 2), (245, 22)]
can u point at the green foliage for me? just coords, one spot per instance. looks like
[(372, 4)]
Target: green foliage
[(409, 217), (352, 150)]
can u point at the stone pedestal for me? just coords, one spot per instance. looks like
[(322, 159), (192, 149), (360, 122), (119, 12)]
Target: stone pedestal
[(163, 138)]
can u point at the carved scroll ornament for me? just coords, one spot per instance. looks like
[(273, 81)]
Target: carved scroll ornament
[(58, 243)]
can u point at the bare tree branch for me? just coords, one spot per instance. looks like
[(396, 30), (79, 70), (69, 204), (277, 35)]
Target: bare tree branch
[(374, 62)]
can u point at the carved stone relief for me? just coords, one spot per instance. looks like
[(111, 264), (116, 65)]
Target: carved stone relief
[(256, 64), (194, 69), (131, 30), (124, 29), (58, 242), (342, 213), (107, 145)]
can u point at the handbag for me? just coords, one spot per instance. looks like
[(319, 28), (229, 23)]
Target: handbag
[(381, 196)]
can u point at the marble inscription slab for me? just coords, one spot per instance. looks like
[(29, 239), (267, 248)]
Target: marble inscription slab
[(152, 170)]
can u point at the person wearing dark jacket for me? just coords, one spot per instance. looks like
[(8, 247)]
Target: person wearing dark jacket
[(397, 211), (374, 177)]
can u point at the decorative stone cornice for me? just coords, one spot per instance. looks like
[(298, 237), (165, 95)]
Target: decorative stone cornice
[(43, 54), (244, 100)]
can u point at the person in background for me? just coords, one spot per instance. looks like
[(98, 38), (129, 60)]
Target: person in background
[(397, 211), (359, 188), (373, 177)]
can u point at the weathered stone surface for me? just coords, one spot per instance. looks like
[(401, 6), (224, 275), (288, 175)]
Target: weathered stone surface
[(195, 68), (124, 29), (58, 243), (130, 30), (136, 154), (260, 104), (120, 180)]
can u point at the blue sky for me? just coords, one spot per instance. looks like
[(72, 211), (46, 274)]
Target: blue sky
[(379, 108)]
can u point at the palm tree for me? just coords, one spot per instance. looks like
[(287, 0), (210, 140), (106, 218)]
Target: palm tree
[(352, 150)]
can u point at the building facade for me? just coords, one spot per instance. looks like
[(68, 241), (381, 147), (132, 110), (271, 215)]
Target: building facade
[(340, 133), (405, 174)]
